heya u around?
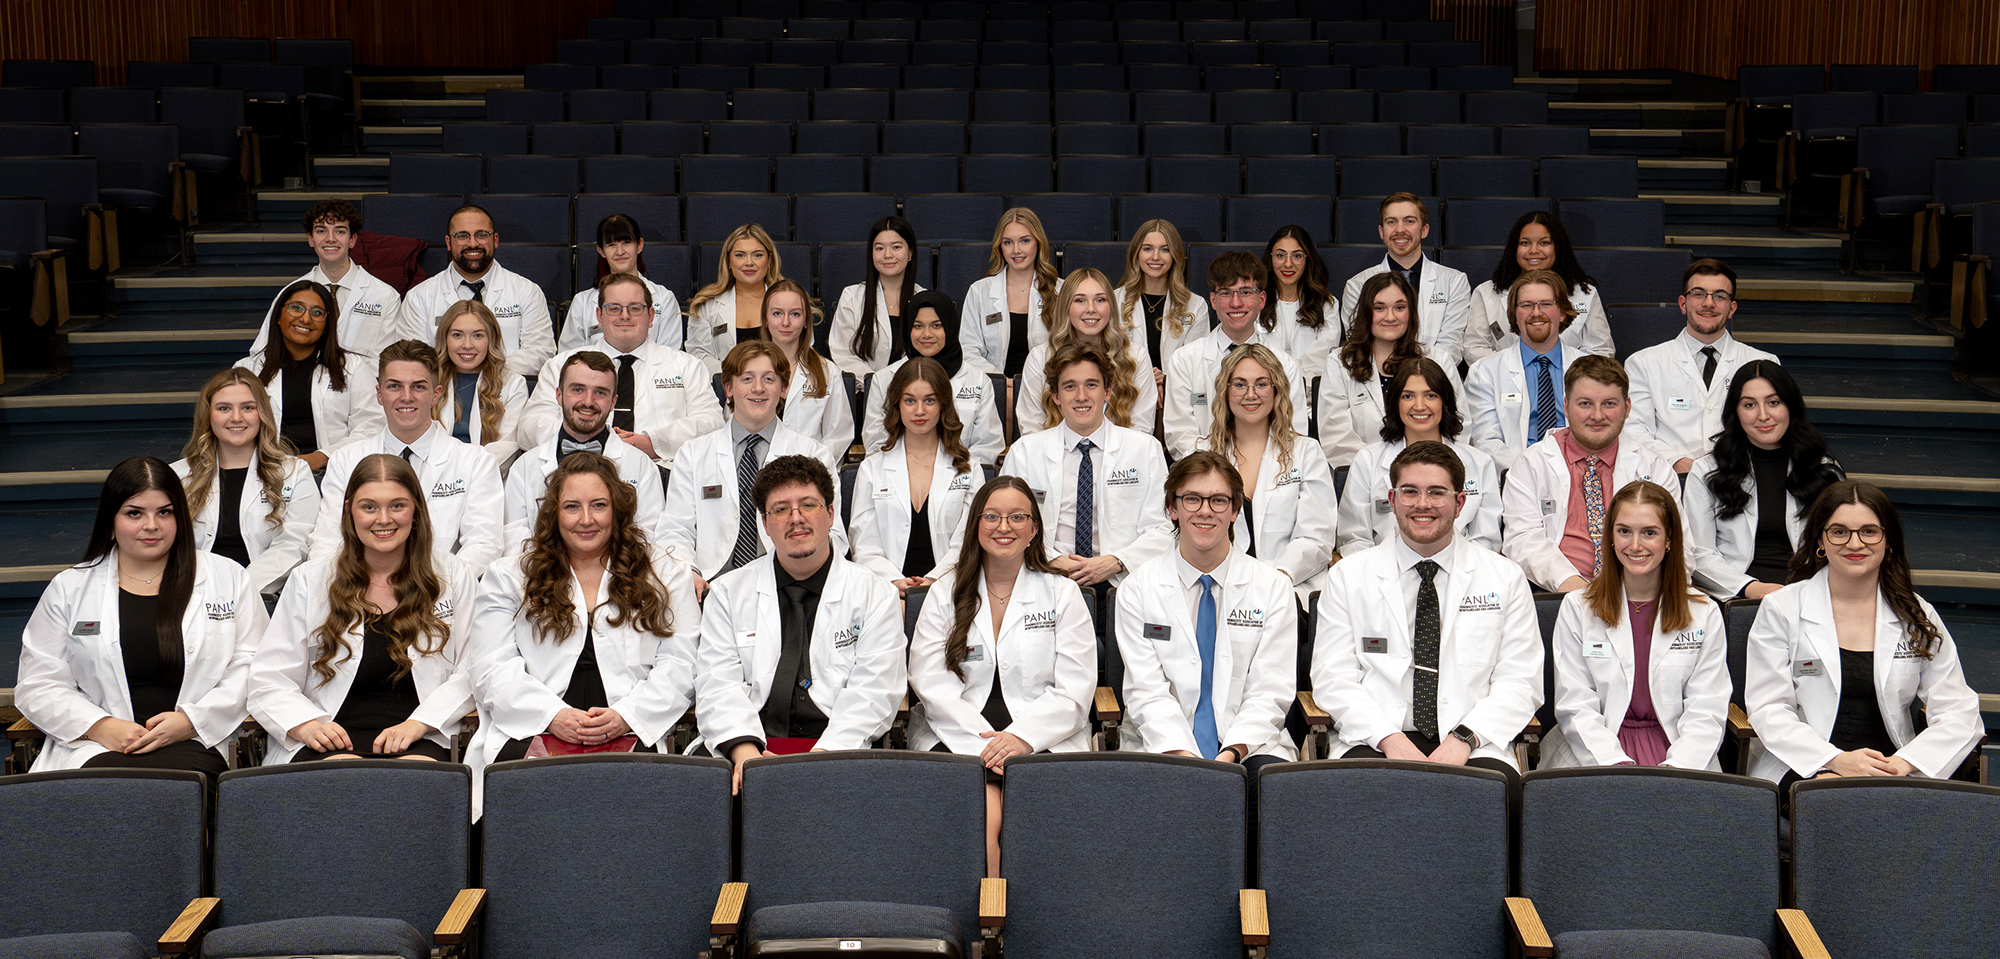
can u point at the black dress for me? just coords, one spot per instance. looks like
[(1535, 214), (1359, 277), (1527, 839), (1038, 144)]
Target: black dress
[(153, 680), (377, 700), (1017, 343), (1154, 307), (298, 427), (1771, 558), (585, 692), (919, 557), (229, 517)]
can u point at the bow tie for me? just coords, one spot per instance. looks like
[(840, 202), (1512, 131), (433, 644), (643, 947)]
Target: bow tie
[(566, 446)]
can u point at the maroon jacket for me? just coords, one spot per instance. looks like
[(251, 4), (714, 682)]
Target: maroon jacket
[(392, 259)]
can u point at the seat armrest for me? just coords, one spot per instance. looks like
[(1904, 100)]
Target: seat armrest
[(451, 931), (1526, 925), (184, 936), (728, 915), (1256, 919), (1319, 726), (1739, 723), (1107, 708), (50, 297), (992, 903), (22, 729), (1798, 933)]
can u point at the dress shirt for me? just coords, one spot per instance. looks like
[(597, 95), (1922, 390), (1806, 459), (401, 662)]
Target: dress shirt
[(1576, 542), (519, 306)]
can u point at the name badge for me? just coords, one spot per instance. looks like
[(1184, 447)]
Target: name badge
[(992, 318), (747, 639), (1159, 633), (718, 329), (1041, 496), (885, 493), (85, 629), (1597, 650), (1374, 644), (1381, 506), (711, 492), (1679, 403), (1548, 507), (1513, 399), (1808, 667), (976, 654), (1199, 399)]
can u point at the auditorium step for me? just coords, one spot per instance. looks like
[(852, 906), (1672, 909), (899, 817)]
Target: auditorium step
[(254, 248), (1742, 244), (382, 140), (1707, 174), (351, 173), (288, 207), (1714, 207), (1594, 89), (211, 289)]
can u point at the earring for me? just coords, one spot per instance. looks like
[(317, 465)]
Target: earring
[(1820, 552)]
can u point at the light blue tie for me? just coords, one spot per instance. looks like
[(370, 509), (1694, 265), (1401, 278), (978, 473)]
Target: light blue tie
[(1205, 737)]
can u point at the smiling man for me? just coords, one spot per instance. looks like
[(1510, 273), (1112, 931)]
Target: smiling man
[(1515, 394), (1236, 296), (368, 306), (586, 390), (476, 274), (1679, 387), (461, 481), (1444, 296)]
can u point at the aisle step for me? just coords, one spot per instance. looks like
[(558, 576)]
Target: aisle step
[(1795, 293), (1685, 173), (1749, 245), (346, 173), (442, 86), (401, 139), (1935, 350), (200, 292), (253, 249), (290, 206), (1656, 141), (422, 112), (1593, 89), (1684, 208)]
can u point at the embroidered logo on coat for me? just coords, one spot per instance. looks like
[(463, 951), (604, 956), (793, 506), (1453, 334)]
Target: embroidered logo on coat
[(221, 612), (1689, 640), (447, 488), (669, 383), (1045, 620), (1125, 477), (843, 638), (1475, 603), (1246, 617)]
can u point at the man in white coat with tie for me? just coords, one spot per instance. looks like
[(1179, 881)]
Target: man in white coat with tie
[(1236, 295), (663, 397), (1514, 395), (1679, 386), (1444, 295), (1428, 647), (800, 649), (587, 386), (520, 307), (368, 306)]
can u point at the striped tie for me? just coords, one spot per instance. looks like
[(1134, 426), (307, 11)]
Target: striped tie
[(1545, 398), (747, 547)]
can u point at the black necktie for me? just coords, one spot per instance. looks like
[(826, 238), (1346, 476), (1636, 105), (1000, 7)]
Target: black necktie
[(1429, 628), (1708, 368), (478, 288), (794, 676), (407, 453), (747, 547), (621, 415), (566, 446)]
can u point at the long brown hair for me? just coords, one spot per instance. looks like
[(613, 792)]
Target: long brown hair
[(326, 354), (273, 453), (810, 362), (1175, 318), (948, 425), (129, 479), (1222, 419), (1357, 349), (1045, 265), (1121, 377), (1893, 578), (492, 370), (1606, 593), (971, 567), (633, 590), (414, 623), (725, 278)]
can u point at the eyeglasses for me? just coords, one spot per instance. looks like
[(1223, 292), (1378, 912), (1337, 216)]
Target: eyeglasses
[(1013, 519), (1219, 503), (1539, 306), (1870, 535), (805, 510), (1288, 256), (1411, 496), (1718, 296), (636, 309), (1236, 296), (1246, 387), (300, 309), (482, 236)]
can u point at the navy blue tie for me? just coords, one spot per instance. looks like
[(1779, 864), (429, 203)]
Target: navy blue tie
[(1086, 500)]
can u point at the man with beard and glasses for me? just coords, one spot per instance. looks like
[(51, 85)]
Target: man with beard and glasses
[(1678, 387), (517, 303), (587, 386)]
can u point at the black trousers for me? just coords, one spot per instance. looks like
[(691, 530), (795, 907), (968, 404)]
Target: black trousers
[(1429, 745)]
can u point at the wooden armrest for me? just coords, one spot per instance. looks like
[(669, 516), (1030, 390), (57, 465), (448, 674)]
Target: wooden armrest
[(1800, 935), (728, 915), (1108, 709), (1739, 723), (903, 709), (992, 903), (464, 908), (190, 925), (23, 729), (1526, 925), (1315, 716), (1533, 728), (1256, 919)]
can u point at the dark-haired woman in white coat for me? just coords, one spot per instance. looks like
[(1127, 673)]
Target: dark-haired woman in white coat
[(911, 495)]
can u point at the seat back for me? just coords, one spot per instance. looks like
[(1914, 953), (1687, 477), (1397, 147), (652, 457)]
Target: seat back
[(1424, 881), (1666, 849), (1592, 176), (1499, 105), (1455, 139), (1485, 176), (1833, 114), (1898, 158), (48, 73), (490, 139), (533, 174), (529, 217), (523, 106), (1776, 84), (1614, 222), (422, 216), (133, 156), (953, 216), (75, 858), (1874, 77), (208, 119), (933, 173), (67, 183), (1909, 108), (607, 106), (38, 139), (1633, 328), (114, 105), (1738, 615), (1250, 219), (1645, 275), (1071, 216), (648, 834), (1486, 221), (1380, 176), (1541, 141), (1087, 875), (1198, 217), (1548, 606), (437, 173)]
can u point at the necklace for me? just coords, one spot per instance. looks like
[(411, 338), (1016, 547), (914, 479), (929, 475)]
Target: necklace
[(135, 577)]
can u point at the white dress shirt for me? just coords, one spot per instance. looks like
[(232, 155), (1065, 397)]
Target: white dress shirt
[(520, 307), (1672, 412), (461, 488), (673, 399), (368, 311)]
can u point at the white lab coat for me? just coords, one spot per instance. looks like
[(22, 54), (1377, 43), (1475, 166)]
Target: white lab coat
[(1131, 521), (1033, 382), (462, 489), (673, 400), (1189, 409), (984, 328), (1293, 511), (1351, 411), (847, 316), (514, 400), (1793, 708), (1687, 672), (273, 552), (284, 690), (530, 478), (699, 525), (856, 655), (1195, 319), (1671, 411), (1491, 324), (1368, 518), (1309, 345), (829, 418), (1045, 658), (519, 306), (72, 673), (1534, 507), (979, 423), (339, 416), (1499, 402), (1256, 657), (1720, 550), (711, 329), (1444, 306), (879, 524), (580, 324), (1489, 650), (368, 309)]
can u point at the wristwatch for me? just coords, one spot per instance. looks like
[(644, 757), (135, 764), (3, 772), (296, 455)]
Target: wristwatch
[(1465, 734)]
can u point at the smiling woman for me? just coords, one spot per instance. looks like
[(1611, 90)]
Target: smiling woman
[(235, 441), (321, 395)]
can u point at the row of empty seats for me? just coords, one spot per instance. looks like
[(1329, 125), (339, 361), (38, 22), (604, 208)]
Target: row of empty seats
[(936, 28), (808, 52), (670, 71), (1776, 85)]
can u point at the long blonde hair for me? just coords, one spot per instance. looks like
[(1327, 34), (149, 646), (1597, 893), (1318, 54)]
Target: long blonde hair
[(1606, 594), (1175, 318), (1121, 378), (492, 370), (725, 278), (414, 623), (811, 363), (273, 453), (1045, 266), (1222, 420)]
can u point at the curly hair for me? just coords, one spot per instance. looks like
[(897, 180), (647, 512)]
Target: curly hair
[(492, 369), (1894, 578), (413, 623), (1174, 318), (1314, 297), (1222, 418), (1566, 266), (1121, 376), (632, 590), (1808, 472)]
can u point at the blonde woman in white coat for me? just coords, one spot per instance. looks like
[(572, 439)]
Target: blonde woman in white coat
[(1379, 338), (1288, 511), (911, 494), (1084, 313), (480, 400), (1641, 657), (1153, 295), (1004, 657), (731, 309), (1838, 657), (931, 329), (366, 656), (863, 335), (1538, 242), (233, 451), (816, 401), (1006, 313), (139, 656), (338, 394), (1426, 409)]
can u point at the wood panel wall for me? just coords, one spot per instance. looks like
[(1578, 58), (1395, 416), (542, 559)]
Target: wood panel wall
[(1715, 37), (1491, 22), (493, 34)]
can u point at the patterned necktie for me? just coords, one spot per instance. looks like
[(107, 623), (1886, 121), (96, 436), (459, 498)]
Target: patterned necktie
[(1545, 398), (1708, 368), (1593, 512), (1206, 738), (478, 288), (747, 547), (621, 415), (1429, 630), (1086, 500)]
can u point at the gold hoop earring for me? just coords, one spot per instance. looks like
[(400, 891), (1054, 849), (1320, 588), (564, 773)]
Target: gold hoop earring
[(1820, 552)]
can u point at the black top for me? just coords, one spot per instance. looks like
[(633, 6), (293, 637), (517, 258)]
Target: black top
[(1250, 525), (586, 683), (153, 680), (296, 394), (1858, 724), (1154, 306), (465, 395), (789, 709), (995, 712), (376, 701), (918, 557), (229, 517), (1017, 343), (1773, 554)]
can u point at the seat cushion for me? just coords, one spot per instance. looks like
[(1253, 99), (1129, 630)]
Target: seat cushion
[(1656, 944), (320, 935), (131, 198), (76, 945), (854, 920), (209, 162), (1899, 205)]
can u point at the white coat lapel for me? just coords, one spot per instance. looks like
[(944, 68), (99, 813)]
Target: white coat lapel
[(1816, 607), (769, 642)]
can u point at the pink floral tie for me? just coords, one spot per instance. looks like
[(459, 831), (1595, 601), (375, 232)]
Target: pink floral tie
[(1593, 513)]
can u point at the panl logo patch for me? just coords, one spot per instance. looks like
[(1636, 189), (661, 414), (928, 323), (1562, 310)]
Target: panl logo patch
[(1476, 603)]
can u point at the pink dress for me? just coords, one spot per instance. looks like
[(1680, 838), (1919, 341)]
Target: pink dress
[(1640, 734)]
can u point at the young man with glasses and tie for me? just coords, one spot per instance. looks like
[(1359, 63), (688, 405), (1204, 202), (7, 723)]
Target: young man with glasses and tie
[(368, 306), (1679, 386), (662, 395), (800, 649), (1444, 295), (1514, 396), (517, 303), (1236, 297), (1428, 648), (586, 390), (1552, 504)]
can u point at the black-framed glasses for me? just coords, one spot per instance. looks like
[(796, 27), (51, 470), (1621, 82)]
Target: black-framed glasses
[(1838, 535), (1192, 503)]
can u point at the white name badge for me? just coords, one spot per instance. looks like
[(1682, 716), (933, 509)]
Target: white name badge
[(1597, 650), (1511, 399), (1679, 403), (1808, 667), (1548, 507)]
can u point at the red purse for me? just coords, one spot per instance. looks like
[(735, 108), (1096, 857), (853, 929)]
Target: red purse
[(547, 744)]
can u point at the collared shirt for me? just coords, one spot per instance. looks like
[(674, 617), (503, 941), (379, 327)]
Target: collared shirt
[(421, 449), (1534, 381), (1415, 274), (1409, 582), (814, 583), (739, 436), (1072, 463), (1576, 542), (1191, 583)]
